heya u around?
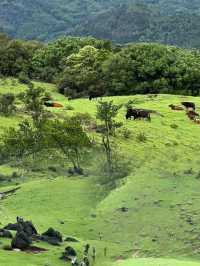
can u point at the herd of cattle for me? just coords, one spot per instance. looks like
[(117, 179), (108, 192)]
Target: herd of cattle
[(139, 113), (190, 108)]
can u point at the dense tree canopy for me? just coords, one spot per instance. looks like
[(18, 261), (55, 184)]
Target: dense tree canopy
[(153, 68), (81, 66)]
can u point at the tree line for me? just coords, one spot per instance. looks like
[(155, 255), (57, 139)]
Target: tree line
[(79, 66)]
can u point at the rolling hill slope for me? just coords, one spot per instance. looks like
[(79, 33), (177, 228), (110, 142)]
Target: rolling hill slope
[(160, 195)]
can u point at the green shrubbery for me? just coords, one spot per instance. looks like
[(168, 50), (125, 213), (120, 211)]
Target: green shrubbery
[(81, 66), (7, 104)]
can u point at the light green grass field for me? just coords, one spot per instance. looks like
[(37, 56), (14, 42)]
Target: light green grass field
[(156, 262), (162, 192)]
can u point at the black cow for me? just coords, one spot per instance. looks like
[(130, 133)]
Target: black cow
[(138, 114), (189, 105), (95, 94)]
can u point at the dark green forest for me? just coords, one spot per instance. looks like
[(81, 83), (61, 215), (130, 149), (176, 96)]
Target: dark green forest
[(174, 22), (81, 66)]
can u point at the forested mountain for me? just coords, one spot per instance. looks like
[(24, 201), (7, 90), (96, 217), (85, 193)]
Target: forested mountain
[(173, 22)]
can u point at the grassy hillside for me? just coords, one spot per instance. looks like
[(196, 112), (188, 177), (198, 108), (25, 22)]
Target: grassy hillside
[(161, 192), (156, 262)]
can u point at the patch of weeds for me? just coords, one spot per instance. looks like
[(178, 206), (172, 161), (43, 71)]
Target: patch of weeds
[(141, 137), (69, 107), (85, 119), (174, 126), (126, 133)]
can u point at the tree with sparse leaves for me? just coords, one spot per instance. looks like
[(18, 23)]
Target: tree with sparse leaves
[(70, 138), (106, 113)]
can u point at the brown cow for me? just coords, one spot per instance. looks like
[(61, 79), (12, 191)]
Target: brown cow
[(192, 114), (57, 105), (53, 104)]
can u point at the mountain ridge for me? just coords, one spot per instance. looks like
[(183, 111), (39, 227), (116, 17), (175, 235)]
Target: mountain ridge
[(175, 22)]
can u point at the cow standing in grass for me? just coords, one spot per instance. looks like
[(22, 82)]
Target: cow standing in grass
[(189, 105), (138, 114), (95, 95)]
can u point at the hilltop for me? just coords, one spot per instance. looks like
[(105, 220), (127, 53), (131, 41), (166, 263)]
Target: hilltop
[(160, 194), (172, 22)]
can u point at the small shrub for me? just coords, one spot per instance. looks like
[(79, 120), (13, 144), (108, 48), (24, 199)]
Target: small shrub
[(7, 104), (15, 175), (189, 171), (118, 124), (23, 78), (52, 168), (3, 177), (174, 126), (13, 82), (69, 107), (141, 137), (126, 133), (129, 104), (84, 119)]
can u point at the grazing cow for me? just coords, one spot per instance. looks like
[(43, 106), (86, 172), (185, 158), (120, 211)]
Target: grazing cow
[(52, 104), (192, 114), (95, 94), (138, 114), (176, 108), (188, 105)]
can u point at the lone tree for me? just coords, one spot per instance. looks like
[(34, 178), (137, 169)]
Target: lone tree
[(107, 112)]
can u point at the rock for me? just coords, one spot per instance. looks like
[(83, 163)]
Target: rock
[(71, 239), (21, 225), (68, 254), (29, 228), (21, 241), (51, 236), (13, 227), (5, 233)]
